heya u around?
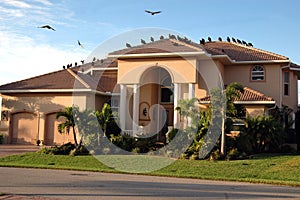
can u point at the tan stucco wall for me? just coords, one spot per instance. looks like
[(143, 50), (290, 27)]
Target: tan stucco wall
[(255, 110), (242, 74), (181, 70), (42, 105)]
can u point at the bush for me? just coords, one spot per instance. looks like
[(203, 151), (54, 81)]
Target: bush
[(65, 149), (1, 138)]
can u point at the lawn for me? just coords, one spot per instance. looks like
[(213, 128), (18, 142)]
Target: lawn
[(271, 168)]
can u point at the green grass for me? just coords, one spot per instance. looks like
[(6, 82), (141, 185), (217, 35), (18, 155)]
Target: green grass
[(273, 169)]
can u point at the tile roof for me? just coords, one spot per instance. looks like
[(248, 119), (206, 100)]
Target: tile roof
[(235, 51), (63, 79), (249, 95), (239, 52), (55, 80), (160, 46)]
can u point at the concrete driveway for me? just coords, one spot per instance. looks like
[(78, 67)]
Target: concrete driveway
[(63, 184), (9, 149)]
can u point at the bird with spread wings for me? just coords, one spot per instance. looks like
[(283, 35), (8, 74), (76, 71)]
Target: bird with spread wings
[(79, 43), (47, 27), (152, 12)]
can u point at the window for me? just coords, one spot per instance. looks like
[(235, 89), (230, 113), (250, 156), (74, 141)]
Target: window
[(286, 83), (258, 73), (167, 90)]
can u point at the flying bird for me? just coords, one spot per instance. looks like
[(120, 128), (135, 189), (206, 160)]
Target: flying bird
[(47, 27), (79, 43), (152, 12)]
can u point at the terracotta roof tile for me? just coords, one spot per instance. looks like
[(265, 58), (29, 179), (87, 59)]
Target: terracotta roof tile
[(56, 80), (239, 52), (160, 46), (65, 79), (249, 95)]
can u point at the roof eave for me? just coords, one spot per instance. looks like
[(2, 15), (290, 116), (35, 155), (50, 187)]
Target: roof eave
[(54, 91), (255, 102), (249, 62), (246, 102)]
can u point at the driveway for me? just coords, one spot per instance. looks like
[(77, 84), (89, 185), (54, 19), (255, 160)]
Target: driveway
[(8, 149), (63, 184)]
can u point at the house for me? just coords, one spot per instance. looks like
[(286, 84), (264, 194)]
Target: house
[(142, 81)]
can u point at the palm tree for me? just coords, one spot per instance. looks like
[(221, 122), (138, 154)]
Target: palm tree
[(104, 117), (232, 91), (69, 123)]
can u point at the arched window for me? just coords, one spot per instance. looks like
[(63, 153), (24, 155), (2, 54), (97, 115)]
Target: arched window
[(258, 73), (167, 90)]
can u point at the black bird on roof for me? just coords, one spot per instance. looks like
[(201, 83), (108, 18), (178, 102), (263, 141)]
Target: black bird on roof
[(228, 39), (233, 40), (47, 27), (202, 41), (82, 61), (220, 39), (161, 37), (209, 39), (244, 42), (128, 45), (143, 41), (239, 41), (152, 12), (152, 39), (79, 43), (250, 44)]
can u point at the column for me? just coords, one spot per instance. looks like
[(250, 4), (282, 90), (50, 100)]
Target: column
[(176, 98), (122, 114), (191, 90), (135, 120)]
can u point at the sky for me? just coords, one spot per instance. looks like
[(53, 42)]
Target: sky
[(27, 51)]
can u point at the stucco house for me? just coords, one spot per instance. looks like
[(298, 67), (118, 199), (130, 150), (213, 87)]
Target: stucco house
[(141, 81)]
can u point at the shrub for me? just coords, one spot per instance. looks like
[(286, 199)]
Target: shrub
[(1, 138)]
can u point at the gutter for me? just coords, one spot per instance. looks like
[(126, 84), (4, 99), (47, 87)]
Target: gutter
[(55, 91)]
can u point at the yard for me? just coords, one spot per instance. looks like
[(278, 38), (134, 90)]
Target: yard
[(263, 168)]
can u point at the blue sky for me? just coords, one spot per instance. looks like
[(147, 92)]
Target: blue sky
[(27, 51)]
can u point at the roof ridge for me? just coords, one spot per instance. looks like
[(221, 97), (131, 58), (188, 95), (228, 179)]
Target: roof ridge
[(78, 78), (187, 45), (256, 49)]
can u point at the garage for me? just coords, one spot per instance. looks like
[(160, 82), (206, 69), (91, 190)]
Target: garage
[(24, 128), (52, 136)]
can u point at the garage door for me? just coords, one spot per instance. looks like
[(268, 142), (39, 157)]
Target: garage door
[(24, 128), (52, 136)]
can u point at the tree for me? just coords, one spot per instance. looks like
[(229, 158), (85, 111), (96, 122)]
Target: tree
[(232, 92), (104, 117), (68, 115), (263, 133)]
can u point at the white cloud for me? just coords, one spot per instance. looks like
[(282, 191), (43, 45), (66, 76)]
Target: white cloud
[(18, 4), (11, 12), (21, 57), (45, 2)]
